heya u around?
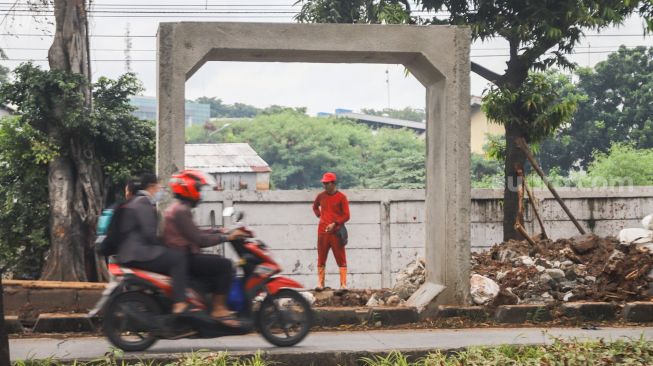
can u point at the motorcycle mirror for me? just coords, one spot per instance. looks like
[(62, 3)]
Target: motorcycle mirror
[(228, 211)]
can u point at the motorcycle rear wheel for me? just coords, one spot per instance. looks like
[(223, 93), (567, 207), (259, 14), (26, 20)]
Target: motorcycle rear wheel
[(284, 319), (124, 324)]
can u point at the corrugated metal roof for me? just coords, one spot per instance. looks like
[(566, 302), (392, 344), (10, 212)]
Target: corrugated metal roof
[(224, 158)]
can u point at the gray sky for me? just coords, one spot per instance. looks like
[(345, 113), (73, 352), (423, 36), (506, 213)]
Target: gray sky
[(320, 87)]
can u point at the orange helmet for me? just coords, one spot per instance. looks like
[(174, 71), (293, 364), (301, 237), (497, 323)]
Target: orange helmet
[(188, 183)]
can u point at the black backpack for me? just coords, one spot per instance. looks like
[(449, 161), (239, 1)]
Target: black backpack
[(108, 244)]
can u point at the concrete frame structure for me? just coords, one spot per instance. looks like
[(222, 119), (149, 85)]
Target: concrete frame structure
[(438, 56)]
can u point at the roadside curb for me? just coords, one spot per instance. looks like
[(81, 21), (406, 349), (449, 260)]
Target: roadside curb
[(57, 322), (13, 325), (635, 312), (515, 314), (593, 311), (638, 312)]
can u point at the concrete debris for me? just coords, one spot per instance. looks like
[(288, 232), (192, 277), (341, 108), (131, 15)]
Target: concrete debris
[(647, 222), (584, 243), (555, 273), (373, 301), (483, 289), (309, 297), (410, 278), (583, 268)]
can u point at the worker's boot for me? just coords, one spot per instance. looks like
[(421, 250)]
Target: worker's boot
[(343, 278), (321, 273)]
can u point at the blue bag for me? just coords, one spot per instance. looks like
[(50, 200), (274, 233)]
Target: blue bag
[(103, 222), (236, 298)]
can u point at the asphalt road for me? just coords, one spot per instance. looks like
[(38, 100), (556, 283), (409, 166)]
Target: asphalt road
[(85, 348)]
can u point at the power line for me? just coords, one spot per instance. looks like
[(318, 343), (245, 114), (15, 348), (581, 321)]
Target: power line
[(154, 60), (92, 49), (609, 47), (223, 16), (154, 36), (92, 35), (49, 12), (171, 5)]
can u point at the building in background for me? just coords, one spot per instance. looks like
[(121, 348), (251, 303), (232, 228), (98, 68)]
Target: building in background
[(377, 121), (234, 166), (481, 127), (196, 113), (7, 110)]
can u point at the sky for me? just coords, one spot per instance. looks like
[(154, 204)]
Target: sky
[(319, 87)]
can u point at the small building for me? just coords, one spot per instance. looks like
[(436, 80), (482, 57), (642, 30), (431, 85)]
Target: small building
[(481, 127), (234, 166), (7, 110), (195, 113)]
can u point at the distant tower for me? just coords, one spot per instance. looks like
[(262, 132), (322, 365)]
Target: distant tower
[(128, 47)]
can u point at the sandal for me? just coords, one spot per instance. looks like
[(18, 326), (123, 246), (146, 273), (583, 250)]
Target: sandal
[(229, 321), (190, 309)]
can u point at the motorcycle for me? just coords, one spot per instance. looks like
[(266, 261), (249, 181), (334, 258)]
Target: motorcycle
[(137, 304)]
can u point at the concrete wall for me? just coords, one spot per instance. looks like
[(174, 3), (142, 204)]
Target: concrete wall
[(387, 226)]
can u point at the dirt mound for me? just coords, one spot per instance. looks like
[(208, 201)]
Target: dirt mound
[(586, 267)]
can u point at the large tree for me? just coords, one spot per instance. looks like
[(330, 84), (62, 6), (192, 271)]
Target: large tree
[(74, 175), (539, 35), (49, 99), (618, 108)]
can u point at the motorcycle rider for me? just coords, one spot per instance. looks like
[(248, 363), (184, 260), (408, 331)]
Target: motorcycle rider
[(182, 234), (142, 248)]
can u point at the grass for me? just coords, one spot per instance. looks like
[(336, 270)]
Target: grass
[(560, 353), (633, 352), (202, 358)]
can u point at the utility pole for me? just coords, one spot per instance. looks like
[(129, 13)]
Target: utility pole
[(128, 47), (387, 82), (589, 51)]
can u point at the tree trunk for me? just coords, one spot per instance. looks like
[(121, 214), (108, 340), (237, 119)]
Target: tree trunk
[(515, 158), (65, 261), (4, 338), (75, 180)]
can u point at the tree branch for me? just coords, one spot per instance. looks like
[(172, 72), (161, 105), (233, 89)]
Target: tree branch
[(486, 74)]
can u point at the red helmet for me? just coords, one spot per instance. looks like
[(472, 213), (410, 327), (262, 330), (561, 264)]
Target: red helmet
[(328, 177), (188, 183)]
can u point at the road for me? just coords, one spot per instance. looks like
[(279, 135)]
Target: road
[(85, 348)]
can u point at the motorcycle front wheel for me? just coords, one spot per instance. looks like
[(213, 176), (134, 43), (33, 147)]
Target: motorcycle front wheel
[(285, 318), (127, 321)]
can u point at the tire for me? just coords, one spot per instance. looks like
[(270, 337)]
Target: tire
[(287, 311), (118, 325)]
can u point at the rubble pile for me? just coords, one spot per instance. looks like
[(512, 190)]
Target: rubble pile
[(585, 267), (408, 280), (357, 298)]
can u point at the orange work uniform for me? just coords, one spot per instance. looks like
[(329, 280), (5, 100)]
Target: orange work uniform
[(330, 208)]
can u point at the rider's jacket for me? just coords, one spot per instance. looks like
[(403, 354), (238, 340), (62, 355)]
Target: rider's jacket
[(179, 230)]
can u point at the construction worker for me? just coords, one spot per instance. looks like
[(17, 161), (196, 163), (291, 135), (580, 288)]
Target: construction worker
[(332, 207)]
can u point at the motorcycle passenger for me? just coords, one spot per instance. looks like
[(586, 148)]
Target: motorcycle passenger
[(180, 232), (142, 248)]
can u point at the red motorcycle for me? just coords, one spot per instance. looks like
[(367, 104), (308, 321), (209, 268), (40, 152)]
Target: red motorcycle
[(137, 304)]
